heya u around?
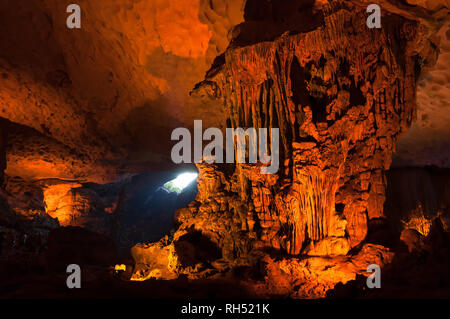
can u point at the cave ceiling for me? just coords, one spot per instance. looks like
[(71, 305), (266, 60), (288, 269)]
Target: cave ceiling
[(96, 103), (109, 94)]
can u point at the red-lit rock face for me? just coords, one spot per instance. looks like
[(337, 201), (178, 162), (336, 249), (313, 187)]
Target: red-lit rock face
[(117, 86), (98, 105), (88, 96), (341, 95)]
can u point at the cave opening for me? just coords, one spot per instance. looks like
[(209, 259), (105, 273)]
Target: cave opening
[(147, 204), (178, 184)]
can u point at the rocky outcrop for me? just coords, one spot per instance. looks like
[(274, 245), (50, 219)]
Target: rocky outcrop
[(154, 261), (341, 94), (312, 277), (419, 269), (72, 204)]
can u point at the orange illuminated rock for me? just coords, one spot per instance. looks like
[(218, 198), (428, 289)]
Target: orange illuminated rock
[(157, 261), (89, 96), (341, 94), (312, 277), (412, 239), (71, 204), (329, 246)]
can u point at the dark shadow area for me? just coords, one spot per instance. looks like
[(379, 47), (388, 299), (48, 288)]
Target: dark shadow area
[(266, 20), (75, 245), (143, 211), (194, 247), (417, 198), (417, 274), (416, 192), (106, 286)]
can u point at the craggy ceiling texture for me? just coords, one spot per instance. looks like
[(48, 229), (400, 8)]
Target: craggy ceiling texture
[(96, 102)]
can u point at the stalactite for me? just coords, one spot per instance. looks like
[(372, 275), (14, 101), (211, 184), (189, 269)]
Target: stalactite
[(333, 93)]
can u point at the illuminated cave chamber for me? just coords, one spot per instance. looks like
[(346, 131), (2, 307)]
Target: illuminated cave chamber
[(85, 125), (341, 95)]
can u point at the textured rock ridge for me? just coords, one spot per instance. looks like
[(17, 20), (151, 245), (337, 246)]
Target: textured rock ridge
[(89, 99), (340, 94)]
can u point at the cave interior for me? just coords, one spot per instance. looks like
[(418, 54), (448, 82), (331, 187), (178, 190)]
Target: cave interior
[(87, 116)]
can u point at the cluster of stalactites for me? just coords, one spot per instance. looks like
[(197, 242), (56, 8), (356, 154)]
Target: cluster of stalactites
[(337, 89)]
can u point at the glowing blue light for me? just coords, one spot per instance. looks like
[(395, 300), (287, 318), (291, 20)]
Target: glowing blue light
[(180, 183)]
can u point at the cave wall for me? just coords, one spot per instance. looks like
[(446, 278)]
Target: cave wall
[(425, 142), (98, 105), (341, 95), (93, 100)]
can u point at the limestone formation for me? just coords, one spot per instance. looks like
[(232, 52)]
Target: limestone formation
[(86, 117), (341, 95)]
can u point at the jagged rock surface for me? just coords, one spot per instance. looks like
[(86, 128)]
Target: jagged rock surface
[(341, 94)]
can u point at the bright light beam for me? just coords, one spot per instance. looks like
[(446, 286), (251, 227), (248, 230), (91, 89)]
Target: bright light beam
[(180, 183)]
